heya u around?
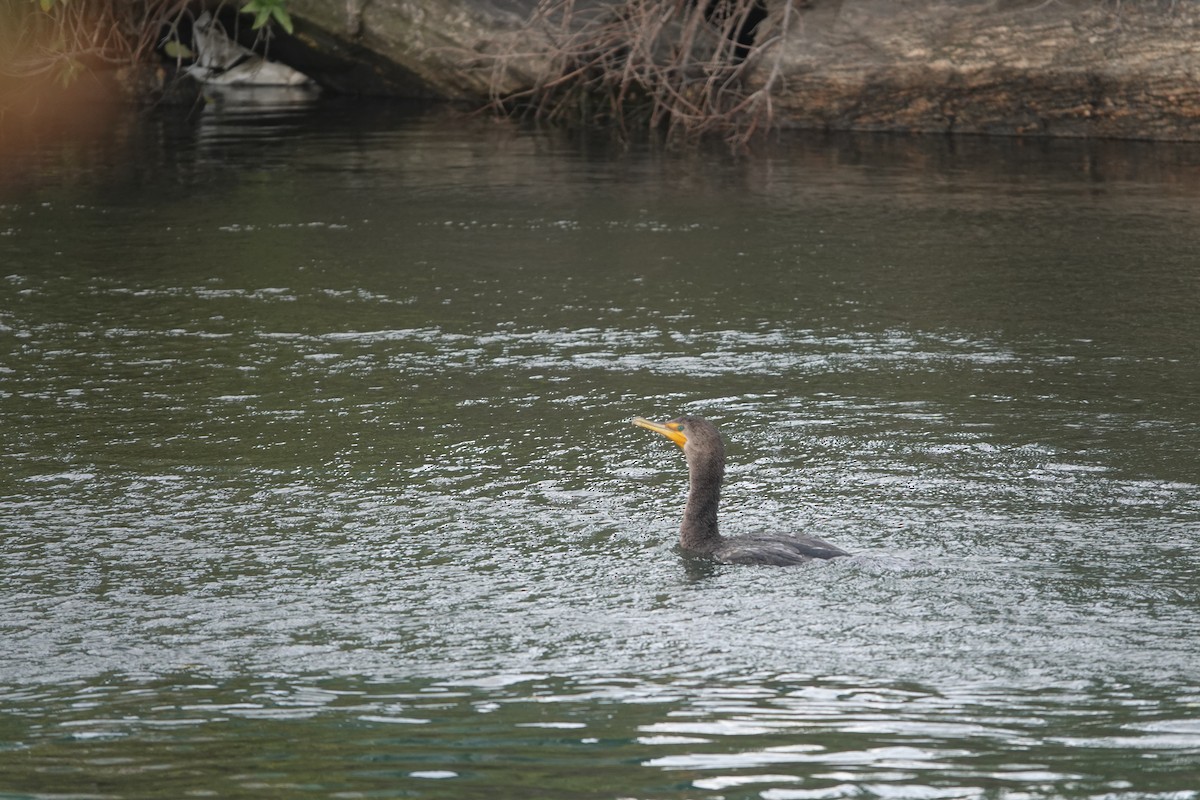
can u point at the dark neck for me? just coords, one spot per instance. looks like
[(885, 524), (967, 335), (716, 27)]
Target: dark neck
[(699, 529)]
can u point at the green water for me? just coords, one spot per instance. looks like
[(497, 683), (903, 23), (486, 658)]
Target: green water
[(319, 479)]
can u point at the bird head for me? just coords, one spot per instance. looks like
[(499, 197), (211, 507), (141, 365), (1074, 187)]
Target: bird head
[(697, 436)]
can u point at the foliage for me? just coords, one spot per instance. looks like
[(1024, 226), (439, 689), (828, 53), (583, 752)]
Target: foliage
[(265, 10), (63, 38)]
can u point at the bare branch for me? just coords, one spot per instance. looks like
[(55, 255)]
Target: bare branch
[(679, 66)]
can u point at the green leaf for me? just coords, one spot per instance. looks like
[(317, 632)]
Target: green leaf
[(177, 49), (47, 5), (68, 71), (281, 16), (266, 10)]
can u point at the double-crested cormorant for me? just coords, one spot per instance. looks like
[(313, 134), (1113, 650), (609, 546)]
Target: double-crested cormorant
[(705, 453)]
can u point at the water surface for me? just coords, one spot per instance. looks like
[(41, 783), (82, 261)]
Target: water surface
[(320, 479)]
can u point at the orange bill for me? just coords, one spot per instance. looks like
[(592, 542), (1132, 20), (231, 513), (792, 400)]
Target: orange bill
[(671, 430)]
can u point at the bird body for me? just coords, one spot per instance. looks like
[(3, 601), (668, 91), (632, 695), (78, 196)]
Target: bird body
[(699, 532)]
